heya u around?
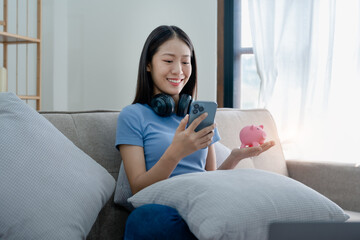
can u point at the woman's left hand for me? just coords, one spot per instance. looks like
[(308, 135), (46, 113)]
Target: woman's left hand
[(239, 154)]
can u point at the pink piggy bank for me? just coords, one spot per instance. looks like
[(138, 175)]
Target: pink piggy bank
[(252, 136)]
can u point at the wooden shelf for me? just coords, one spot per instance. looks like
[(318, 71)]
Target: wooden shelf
[(10, 38), (7, 39), (29, 97)]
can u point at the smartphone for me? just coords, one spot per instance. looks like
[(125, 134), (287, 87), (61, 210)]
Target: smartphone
[(199, 107)]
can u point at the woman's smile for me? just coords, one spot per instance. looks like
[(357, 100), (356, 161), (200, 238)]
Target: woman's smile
[(174, 81)]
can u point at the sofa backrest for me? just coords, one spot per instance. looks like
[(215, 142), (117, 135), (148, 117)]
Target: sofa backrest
[(94, 133)]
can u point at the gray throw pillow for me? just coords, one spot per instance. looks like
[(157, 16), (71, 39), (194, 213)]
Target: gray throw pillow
[(49, 188), (238, 204)]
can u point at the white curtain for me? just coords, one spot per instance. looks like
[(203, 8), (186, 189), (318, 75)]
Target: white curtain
[(303, 63)]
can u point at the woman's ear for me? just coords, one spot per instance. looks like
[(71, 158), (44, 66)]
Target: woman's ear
[(148, 67)]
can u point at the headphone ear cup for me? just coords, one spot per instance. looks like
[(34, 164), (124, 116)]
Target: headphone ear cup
[(163, 104), (183, 105)]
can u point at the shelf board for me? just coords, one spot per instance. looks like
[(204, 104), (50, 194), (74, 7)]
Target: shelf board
[(10, 38), (26, 97)]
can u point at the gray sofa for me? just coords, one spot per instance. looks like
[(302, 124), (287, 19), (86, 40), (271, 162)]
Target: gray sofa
[(94, 133)]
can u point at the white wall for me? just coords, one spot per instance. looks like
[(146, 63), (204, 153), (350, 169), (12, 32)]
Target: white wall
[(91, 48), (54, 56)]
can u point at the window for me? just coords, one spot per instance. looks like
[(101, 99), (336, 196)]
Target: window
[(311, 81), (239, 83)]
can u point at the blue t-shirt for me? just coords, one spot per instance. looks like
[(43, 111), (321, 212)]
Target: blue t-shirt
[(139, 125)]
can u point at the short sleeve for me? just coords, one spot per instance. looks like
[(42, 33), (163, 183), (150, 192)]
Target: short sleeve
[(216, 136), (129, 127)]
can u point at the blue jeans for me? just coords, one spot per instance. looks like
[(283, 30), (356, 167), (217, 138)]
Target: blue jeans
[(154, 221)]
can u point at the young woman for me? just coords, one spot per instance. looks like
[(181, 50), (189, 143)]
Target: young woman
[(153, 137)]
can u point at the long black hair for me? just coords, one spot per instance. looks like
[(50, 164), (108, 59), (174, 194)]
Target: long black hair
[(145, 84)]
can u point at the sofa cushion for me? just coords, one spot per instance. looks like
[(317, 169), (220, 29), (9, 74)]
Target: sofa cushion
[(231, 121), (238, 204), (50, 189)]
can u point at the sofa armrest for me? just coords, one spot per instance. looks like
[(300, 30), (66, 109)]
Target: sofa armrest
[(337, 181)]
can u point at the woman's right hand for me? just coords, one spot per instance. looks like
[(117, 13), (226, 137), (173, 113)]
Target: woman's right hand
[(186, 140)]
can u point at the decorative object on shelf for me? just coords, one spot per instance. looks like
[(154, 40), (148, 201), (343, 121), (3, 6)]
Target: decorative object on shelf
[(3, 80)]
